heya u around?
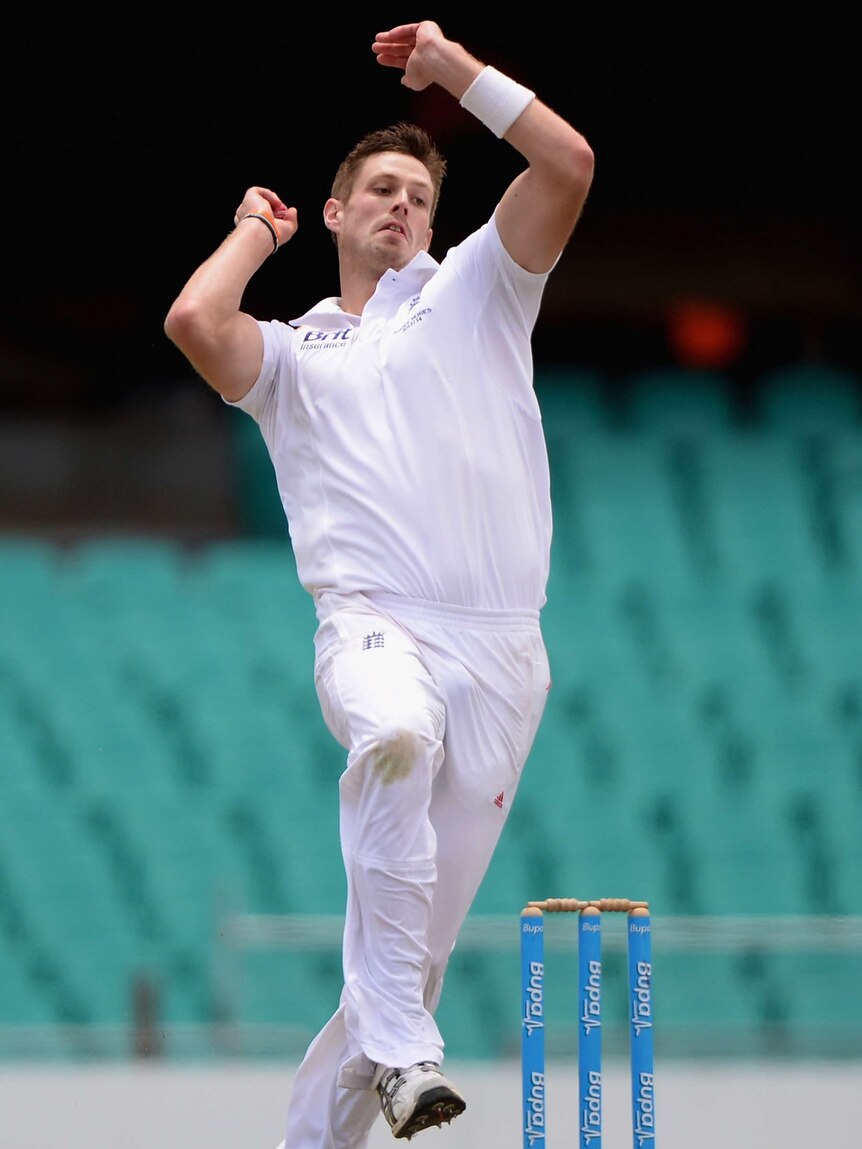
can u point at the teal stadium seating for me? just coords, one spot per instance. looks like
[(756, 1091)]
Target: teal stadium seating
[(164, 762), (810, 398), (680, 402)]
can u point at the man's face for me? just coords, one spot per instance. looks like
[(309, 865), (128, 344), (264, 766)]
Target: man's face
[(386, 219)]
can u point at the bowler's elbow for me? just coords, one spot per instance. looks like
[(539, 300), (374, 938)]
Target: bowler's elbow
[(182, 324), (577, 162), (190, 330)]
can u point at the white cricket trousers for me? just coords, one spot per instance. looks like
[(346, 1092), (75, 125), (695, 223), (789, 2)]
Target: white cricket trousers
[(437, 708)]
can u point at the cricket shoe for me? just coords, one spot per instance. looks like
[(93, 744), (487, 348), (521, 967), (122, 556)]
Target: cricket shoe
[(418, 1098)]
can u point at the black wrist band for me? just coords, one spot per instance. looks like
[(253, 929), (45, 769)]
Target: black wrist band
[(264, 219)]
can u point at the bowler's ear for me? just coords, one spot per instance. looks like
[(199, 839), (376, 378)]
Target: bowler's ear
[(332, 210)]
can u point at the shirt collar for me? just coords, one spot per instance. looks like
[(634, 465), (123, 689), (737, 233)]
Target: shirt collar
[(328, 314)]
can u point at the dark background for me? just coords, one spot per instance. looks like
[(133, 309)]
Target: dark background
[(727, 154)]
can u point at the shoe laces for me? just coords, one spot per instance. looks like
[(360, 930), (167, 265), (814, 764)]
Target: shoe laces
[(393, 1079)]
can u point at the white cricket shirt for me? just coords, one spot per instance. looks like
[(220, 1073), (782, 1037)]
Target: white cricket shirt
[(407, 442)]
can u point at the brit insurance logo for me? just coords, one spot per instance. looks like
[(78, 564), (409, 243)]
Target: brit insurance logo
[(315, 340)]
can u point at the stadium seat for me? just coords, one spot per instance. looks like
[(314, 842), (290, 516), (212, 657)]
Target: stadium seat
[(278, 986), (761, 510), (128, 573), (259, 507), (838, 498), (471, 1034), (703, 991), (622, 508), (679, 402), (22, 1002), (573, 401), (810, 398), (821, 1008), (28, 570)]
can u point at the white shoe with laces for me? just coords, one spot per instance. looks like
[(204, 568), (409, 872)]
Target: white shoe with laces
[(418, 1098)]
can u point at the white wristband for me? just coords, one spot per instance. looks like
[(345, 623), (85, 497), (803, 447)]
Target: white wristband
[(496, 100)]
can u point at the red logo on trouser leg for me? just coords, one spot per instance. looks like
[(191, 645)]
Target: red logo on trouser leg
[(498, 801)]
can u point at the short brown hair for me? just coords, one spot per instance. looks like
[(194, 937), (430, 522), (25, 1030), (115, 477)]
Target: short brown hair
[(410, 140)]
